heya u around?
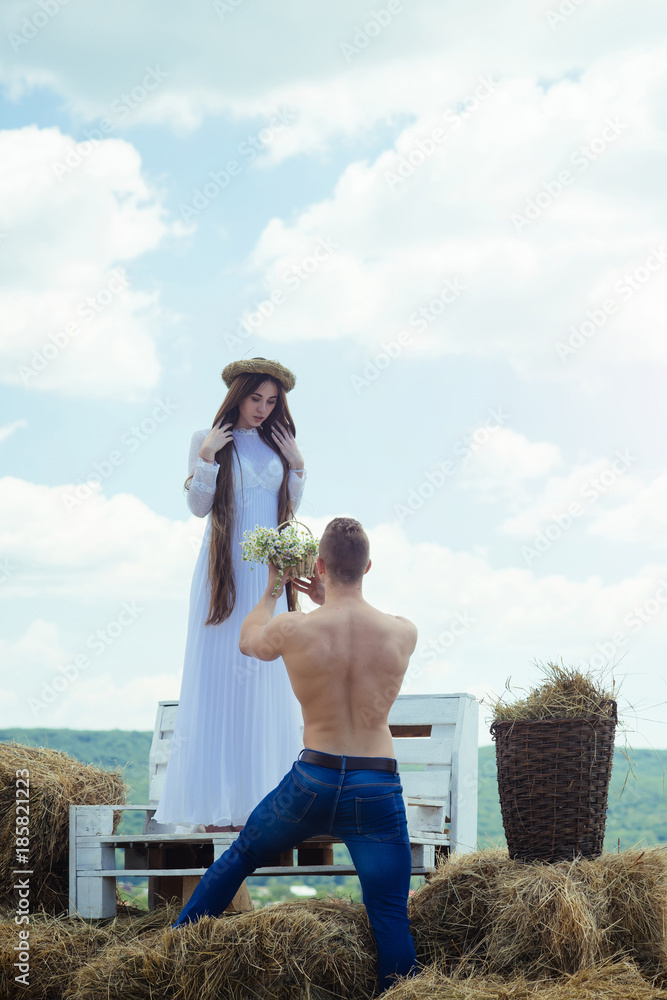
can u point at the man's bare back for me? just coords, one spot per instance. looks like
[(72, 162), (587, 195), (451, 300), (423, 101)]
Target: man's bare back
[(346, 662)]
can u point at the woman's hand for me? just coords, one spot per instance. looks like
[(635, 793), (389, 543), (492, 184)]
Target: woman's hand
[(274, 575), (314, 588), (287, 444), (219, 435)]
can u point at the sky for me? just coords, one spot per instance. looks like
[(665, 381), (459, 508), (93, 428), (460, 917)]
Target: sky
[(447, 219)]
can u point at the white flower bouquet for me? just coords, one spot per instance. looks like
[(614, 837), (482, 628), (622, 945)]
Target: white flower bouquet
[(286, 549)]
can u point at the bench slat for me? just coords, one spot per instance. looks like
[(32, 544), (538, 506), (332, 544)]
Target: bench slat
[(427, 784), (411, 709), (424, 750), (168, 720), (122, 873)]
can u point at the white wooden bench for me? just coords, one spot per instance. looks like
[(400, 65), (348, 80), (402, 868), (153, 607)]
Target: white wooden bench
[(436, 733)]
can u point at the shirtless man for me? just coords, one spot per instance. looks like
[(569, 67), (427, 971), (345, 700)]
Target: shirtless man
[(346, 661)]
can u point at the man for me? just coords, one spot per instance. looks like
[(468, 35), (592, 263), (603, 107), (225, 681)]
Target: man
[(346, 661)]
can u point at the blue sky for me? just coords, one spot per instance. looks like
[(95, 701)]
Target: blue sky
[(453, 220)]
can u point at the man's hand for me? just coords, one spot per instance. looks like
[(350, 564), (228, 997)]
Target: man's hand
[(314, 588)]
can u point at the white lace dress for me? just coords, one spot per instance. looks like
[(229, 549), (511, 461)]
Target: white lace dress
[(237, 725)]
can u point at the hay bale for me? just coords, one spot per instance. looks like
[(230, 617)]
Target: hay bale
[(313, 949), (608, 981), (620, 980), (132, 970), (433, 983), (56, 947), (310, 948), (492, 929), (549, 919), (484, 912), (636, 889), (56, 782), (131, 923), (450, 914), (60, 946)]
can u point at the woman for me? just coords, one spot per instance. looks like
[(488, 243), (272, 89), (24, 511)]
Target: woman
[(237, 726)]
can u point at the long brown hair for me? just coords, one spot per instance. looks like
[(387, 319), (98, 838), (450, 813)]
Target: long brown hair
[(223, 511)]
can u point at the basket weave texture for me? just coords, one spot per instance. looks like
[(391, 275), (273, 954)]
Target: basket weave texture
[(553, 780)]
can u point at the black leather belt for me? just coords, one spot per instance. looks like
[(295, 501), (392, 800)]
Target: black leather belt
[(351, 763)]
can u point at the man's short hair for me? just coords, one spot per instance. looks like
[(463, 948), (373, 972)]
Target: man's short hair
[(344, 548)]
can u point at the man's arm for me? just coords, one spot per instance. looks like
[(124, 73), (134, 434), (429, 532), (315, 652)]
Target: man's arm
[(262, 635), (410, 632)]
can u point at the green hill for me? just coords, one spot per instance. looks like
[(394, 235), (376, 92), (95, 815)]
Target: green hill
[(637, 812)]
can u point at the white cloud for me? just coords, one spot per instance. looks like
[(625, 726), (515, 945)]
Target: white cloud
[(506, 462), (132, 700), (426, 241), (588, 488), (532, 482), (643, 518), (330, 62), (508, 618), (66, 684), (39, 646), (7, 430), (73, 322), (107, 548), (400, 240), (37, 652)]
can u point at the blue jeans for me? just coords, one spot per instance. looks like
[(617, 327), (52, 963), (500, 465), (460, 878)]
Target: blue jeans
[(362, 808)]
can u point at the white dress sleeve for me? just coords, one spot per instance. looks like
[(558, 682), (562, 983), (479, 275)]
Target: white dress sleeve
[(203, 484), (295, 485)]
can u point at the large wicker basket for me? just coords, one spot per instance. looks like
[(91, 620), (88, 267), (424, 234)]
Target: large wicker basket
[(553, 780)]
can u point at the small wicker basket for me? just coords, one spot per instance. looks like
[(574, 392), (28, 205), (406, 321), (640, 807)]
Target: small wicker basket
[(306, 567)]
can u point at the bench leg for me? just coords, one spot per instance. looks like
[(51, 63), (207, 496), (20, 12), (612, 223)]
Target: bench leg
[(95, 897), (322, 855), (423, 856)]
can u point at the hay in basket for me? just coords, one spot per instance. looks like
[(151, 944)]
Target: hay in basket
[(565, 693)]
